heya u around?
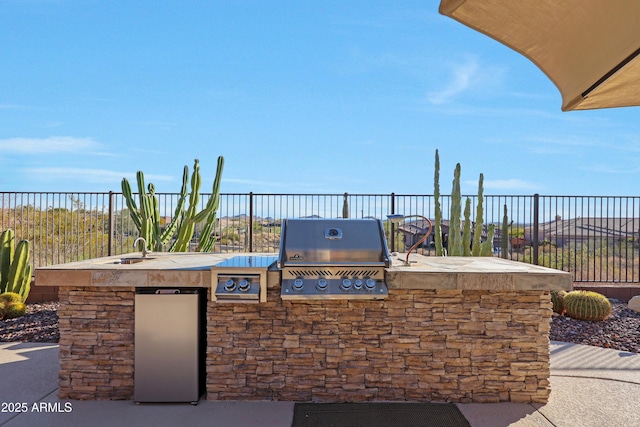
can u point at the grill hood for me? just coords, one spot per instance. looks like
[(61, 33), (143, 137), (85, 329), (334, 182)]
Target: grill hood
[(333, 242), (333, 259)]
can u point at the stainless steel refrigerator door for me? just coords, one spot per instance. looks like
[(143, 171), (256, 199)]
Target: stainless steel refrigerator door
[(166, 348)]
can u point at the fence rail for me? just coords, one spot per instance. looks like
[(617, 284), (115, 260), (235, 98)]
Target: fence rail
[(593, 237)]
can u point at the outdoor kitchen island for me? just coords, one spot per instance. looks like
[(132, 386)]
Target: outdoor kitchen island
[(450, 329)]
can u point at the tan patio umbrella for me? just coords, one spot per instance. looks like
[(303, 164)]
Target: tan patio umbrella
[(588, 48)]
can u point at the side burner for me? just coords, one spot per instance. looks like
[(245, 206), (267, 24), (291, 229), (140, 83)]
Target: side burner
[(241, 279)]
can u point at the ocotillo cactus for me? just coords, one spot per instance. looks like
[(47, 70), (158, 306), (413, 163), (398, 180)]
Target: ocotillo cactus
[(147, 218), (477, 233), (15, 271), (437, 227)]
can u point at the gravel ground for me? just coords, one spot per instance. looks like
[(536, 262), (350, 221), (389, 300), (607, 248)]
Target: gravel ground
[(621, 331), (39, 324)]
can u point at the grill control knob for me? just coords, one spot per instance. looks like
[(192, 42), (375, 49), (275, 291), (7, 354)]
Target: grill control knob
[(357, 284), (322, 285), (230, 285), (244, 285), (346, 285), (370, 284), (298, 284)]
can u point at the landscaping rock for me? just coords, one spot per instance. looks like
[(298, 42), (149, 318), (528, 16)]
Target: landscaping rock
[(634, 303), (620, 331)]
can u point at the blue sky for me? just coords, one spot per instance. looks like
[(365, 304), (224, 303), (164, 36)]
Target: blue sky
[(299, 97)]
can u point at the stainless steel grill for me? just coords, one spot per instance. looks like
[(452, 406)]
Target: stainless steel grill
[(333, 259)]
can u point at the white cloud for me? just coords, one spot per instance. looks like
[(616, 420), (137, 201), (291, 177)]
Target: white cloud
[(53, 144), (463, 74), (618, 170), (509, 184), (88, 175), (12, 107), (253, 182)]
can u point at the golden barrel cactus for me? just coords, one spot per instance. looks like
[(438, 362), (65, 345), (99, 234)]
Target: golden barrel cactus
[(587, 305)]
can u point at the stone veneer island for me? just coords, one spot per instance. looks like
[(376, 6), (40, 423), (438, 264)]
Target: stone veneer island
[(452, 329)]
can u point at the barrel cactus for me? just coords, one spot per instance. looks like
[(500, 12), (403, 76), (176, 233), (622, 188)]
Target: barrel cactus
[(586, 305), (16, 309), (11, 305), (557, 299), (10, 297)]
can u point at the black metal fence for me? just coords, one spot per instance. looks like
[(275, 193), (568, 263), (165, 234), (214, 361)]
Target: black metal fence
[(593, 237)]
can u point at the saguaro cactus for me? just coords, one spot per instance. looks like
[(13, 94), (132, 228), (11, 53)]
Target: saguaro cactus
[(147, 217)]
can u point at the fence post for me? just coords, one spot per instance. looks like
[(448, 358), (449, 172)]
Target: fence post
[(250, 221), (536, 226), (110, 226), (393, 226)]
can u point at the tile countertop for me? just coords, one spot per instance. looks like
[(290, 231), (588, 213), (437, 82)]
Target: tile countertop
[(193, 269), (185, 269), (473, 273)]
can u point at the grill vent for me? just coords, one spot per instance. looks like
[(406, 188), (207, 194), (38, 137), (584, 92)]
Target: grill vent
[(361, 273), (330, 273), (300, 273)]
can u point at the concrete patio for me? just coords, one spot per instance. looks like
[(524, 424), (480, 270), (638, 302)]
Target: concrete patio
[(590, 386)]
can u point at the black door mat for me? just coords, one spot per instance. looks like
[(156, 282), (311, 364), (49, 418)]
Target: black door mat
[(378, 415)]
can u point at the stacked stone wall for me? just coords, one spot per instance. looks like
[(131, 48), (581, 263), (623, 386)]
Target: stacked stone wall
[(96, 343), (418, 345)]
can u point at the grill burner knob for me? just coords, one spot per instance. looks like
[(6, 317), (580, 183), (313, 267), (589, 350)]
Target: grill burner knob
[(298, 284), (357, 284), (322, 285), (230, 285), (346, 285), (370, 284), (244, 285)]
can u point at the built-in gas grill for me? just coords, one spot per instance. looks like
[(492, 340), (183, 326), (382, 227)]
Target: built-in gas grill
[(333, 259)]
